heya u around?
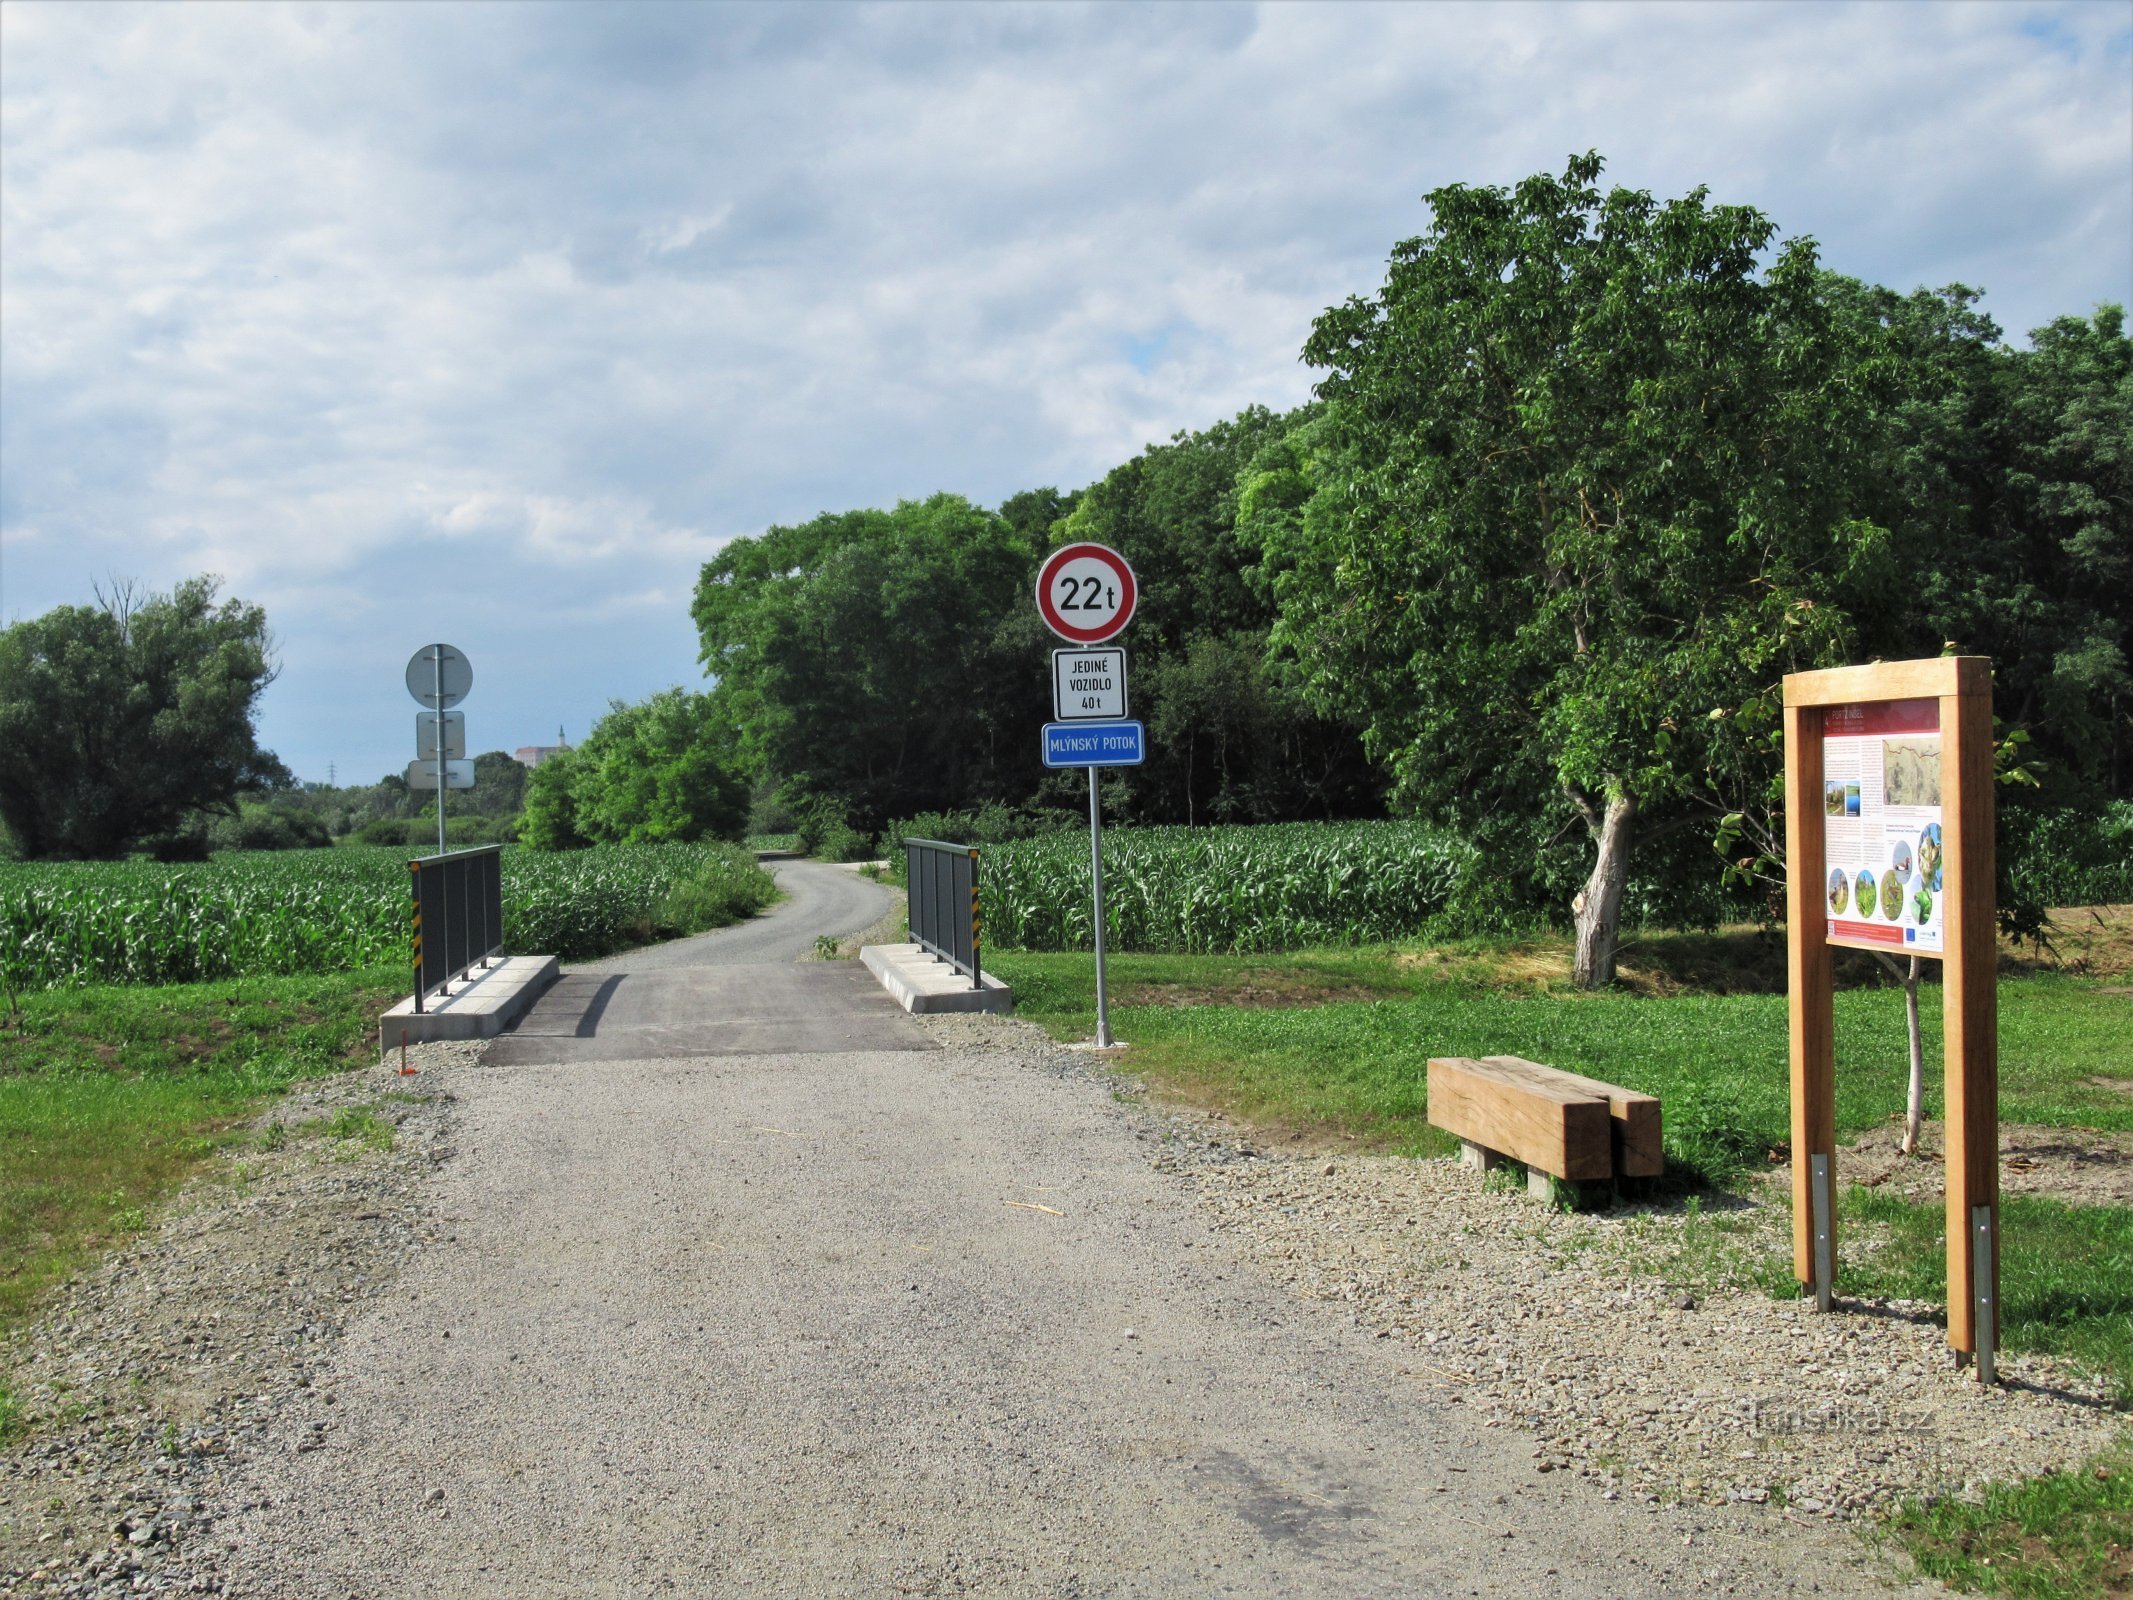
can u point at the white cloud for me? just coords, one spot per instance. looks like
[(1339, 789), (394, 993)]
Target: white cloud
[(537, 305)]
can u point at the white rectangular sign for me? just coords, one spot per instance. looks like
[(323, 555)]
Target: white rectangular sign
[(455, 735), (457, 774), (1881, 816), (1088, 685)]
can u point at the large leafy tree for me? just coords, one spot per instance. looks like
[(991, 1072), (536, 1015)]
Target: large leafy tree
[(663, 769), (1582, 497), (2007, 480), (881, 660), (1231, 741), (122, 720)]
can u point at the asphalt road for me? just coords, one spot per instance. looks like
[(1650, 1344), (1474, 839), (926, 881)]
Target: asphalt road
[(819, 900), (893, 1321)]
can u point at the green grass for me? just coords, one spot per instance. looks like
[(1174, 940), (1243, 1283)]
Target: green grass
[(2064, 1536), (2066, 1273), (110, 1096), (1339, 1042)]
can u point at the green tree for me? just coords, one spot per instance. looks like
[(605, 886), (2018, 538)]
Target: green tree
[(1230, 740), (1581, 498), (499, 787), (2006, 476), (661, 770), (123, 720), (550, 820), (881, 660)]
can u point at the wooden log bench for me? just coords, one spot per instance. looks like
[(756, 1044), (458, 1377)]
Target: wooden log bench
[(1561, 1125)]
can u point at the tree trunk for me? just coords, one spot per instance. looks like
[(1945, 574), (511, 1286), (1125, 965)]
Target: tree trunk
[(1599, 906)]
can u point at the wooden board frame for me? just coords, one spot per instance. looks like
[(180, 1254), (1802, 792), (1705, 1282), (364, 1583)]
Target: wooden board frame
[(1969, 971)]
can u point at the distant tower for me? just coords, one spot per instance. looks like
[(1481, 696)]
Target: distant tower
[(332, 776)]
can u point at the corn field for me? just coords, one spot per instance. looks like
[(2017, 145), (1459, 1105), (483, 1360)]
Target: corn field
[(312, 911), (1238, 890)]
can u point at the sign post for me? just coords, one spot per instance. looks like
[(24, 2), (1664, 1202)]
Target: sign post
[(1086, 594), (1889, 846), (438, 676)]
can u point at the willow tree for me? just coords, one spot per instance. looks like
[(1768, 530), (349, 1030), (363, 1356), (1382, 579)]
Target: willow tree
[(1581, 497)]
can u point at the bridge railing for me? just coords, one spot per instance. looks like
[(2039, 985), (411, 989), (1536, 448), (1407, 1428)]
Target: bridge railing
[(942, 885), (459, 916)]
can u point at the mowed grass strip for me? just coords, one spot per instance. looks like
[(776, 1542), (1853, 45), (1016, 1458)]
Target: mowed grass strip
[(1338, 1043), (111, 1096)]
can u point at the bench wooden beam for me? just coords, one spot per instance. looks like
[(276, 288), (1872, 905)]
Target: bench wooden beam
[(1638, 1151), (1521, 1109)]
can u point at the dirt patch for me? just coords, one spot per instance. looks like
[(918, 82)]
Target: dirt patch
[(2088, 941), (2079, 1166), (1735, 960)]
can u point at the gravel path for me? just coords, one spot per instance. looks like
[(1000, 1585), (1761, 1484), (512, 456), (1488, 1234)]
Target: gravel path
[(953, 1321)]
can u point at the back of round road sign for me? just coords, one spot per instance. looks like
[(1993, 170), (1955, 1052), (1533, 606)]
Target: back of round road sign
[(1086, 593), (435, 667)]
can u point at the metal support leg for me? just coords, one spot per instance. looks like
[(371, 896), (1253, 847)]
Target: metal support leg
[(1985, 1322), (1824, 1222)]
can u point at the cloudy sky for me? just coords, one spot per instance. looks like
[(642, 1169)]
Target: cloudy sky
[(491, 322)]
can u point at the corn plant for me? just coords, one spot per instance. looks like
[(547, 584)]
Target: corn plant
[(314, 911), (1238, 890)]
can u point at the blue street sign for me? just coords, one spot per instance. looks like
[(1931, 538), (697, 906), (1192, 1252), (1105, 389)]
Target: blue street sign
[(1093, 744)]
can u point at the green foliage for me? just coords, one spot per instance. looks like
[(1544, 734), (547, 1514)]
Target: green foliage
[(336, 911), (120, 721), (1581, 496), (418, 835), (661, 771), (1230, 738), (987, 825), (1276, 887), (2065, 1536), (726, 887), (550, 820), (884, 661), (2007, 478), (2069, 858), (269, 825)]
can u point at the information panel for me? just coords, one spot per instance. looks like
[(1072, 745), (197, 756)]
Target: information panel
[(1881, 821)]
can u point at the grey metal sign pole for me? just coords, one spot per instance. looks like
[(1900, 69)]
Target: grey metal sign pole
[(1096, 868), (437, 653)]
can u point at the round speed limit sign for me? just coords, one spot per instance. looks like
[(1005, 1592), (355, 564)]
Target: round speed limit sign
[(1086, 593)]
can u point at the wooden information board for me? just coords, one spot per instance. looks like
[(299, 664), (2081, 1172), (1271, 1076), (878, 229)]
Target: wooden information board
[(1889, 846)]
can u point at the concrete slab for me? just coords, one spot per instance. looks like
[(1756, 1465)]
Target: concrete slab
[(920, 981), (792, 1008), (479, 1008)]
